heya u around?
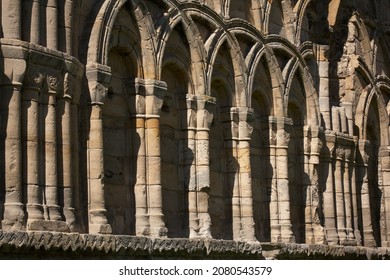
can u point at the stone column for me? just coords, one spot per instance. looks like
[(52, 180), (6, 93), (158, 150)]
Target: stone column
[(31, 91), (308, 186), (368, 234), (348, 196), (339, 195), (142, 226), (238, 161), (283, 126), (65, 103), (329, 193), (50, 148), (353, 167), (276, 236), (385, 164), (52, 24), (245, 117), (11, 106), (98, 79), (77, 70), (11, 18), (314, 231), (323, 71), (31, 21), (154, 95), (69, 23), (200, 221)]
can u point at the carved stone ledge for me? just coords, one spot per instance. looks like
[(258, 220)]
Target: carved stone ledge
[(51, 245)]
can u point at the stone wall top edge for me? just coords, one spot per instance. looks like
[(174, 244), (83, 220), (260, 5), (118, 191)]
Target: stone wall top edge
[(43, 56)]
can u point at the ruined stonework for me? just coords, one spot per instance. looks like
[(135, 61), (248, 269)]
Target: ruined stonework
[(245, 126)]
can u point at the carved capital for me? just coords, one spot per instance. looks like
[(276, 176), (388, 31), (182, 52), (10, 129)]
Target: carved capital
[(246, 118), (281, 128), (99, 77), (34, 77), (69, 86), (53, 83), (13, 55), (154, 96), (205, 107)]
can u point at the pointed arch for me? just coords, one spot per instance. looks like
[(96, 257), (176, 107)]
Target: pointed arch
[(98, 45)]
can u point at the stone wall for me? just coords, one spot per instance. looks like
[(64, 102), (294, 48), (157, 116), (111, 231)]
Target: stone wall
[(252, 121)]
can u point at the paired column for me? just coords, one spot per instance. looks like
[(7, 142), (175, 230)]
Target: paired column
[(154, 95), (281, 229), (329, 192), (339, 195), (98, 79), (50, 149), (148, 100), (348, 195), (31, 120), (237, 142), (199, 187), (65, 119), (244, 192), (355, 216), (368, 234), (385, 165), (314, 231)]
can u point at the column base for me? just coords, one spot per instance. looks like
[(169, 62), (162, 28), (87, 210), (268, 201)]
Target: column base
[(200, 226), (358, 237), (157, 226), (369, 240), (287, 234), (142, 227), (332, 238), (315, 234), (54, 213), (35, 211), (385, 244), (14, 217), (276, 236), (351, 237), (309, 235), (70, 218), (341, 232), (42, 225), (100, 229)]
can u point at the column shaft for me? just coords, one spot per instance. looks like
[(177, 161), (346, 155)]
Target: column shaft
[(11, 18), (329, 204), (67, 163), (142, 226), (97, 208), (13, 216), (153, 170), (340, 204), (31, 161), (348, 205), (52, 24)]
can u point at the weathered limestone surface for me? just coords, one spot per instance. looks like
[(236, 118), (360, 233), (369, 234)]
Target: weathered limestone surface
[(213, 124)]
